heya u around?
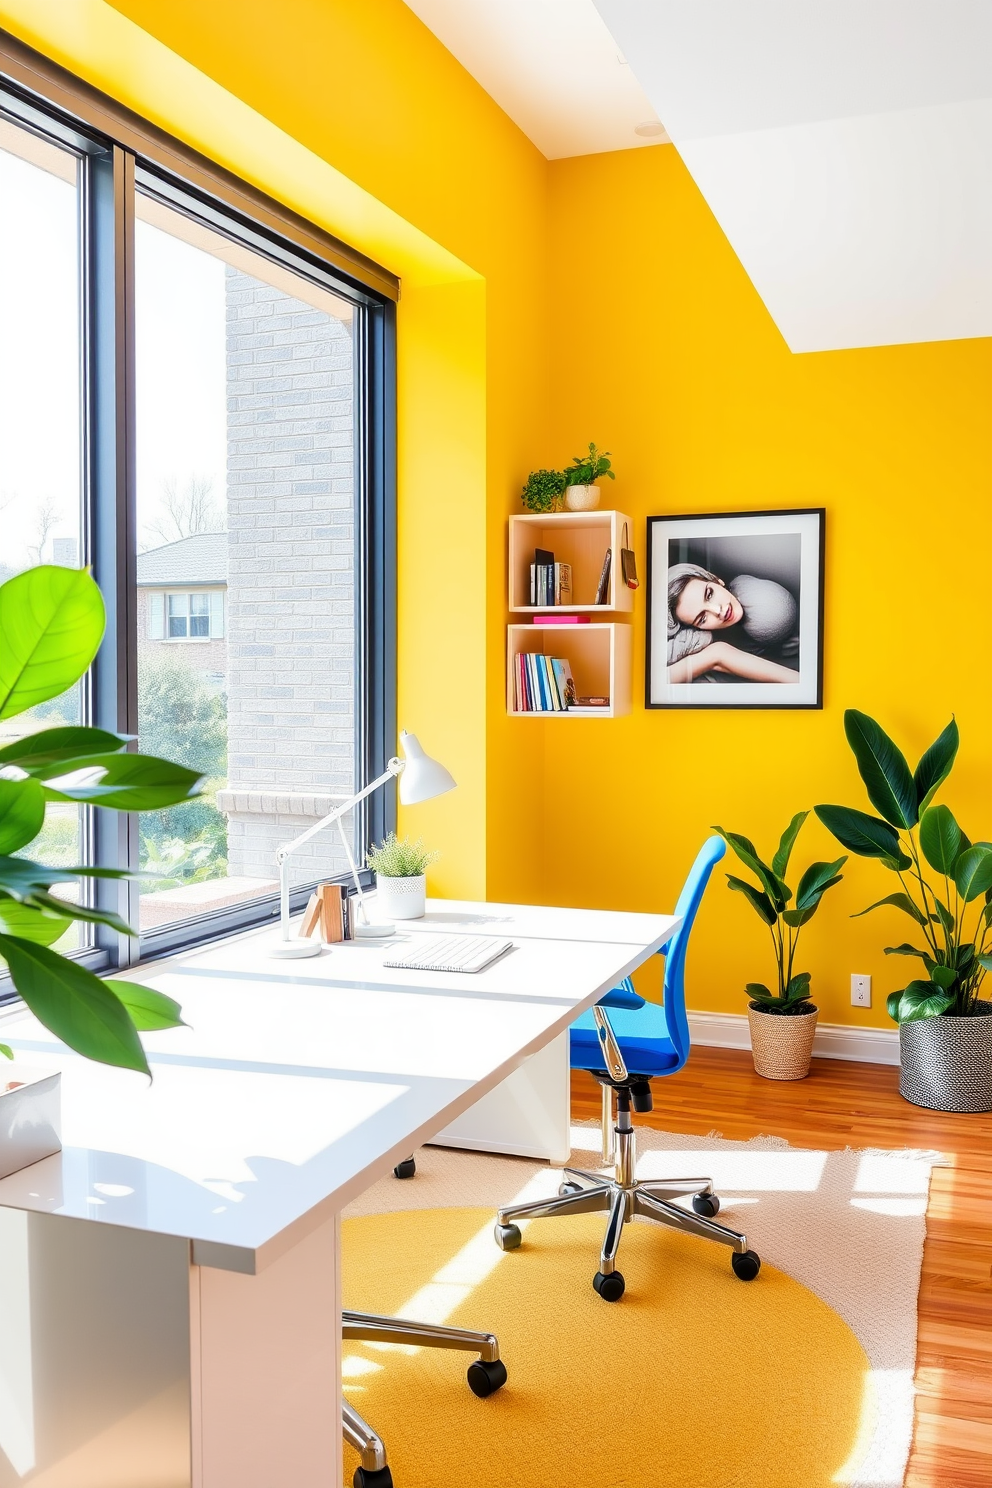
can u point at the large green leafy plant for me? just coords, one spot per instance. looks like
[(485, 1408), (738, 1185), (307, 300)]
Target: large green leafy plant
[(940, 872), (52, 621), (770, 898)]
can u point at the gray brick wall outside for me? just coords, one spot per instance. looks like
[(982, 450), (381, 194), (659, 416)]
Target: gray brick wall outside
[(291, 586)]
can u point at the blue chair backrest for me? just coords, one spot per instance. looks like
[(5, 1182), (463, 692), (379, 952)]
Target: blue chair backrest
[(712, 850)]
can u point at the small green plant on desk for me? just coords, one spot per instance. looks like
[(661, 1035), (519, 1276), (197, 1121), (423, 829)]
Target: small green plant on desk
[(909, 835), (398, 857), (52, 621), (544, 490), (770, 898), (586, 470)]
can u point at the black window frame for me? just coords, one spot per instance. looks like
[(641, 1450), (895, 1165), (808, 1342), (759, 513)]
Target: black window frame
[(120, 155)]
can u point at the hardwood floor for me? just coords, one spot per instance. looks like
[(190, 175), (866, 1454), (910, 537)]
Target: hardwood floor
[(858, 1105)]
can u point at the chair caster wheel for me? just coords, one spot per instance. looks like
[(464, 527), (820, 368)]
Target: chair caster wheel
[(707, 1205), (610, 1288), (568, 1187), (405, 1169), (366, 1478), (508, 1237), (747, 1265), (486, 1378)]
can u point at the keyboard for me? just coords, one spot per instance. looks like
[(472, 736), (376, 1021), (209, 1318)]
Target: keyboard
[(451, 953)]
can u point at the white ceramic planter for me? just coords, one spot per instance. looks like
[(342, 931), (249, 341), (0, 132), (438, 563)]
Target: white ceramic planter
[(30, 1116), (400, 898), (581, 498)]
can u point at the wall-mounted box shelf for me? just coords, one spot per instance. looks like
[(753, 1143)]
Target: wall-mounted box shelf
[(599, 656), (578, 538)]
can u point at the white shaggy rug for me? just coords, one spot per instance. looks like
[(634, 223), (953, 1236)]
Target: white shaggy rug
[(848, 1225)]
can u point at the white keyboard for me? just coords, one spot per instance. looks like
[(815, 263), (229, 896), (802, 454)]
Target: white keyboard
[(451, 953)]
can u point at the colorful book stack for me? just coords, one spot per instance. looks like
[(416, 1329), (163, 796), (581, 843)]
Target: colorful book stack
[(542, 684), (550, 582)]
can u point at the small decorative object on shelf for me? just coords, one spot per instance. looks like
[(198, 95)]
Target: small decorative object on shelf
[(325, 912), (945, 1025), (400, 868), (544, 491), (581, 489), (782, 1022)]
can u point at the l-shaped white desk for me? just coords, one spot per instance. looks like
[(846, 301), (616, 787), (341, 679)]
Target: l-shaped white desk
[(169, 1283)]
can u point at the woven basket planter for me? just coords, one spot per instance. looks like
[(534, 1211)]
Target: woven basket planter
[(781, 1045), (946, 1063)]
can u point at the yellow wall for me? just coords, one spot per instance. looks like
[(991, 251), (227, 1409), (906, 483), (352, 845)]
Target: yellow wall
[(665, 355)]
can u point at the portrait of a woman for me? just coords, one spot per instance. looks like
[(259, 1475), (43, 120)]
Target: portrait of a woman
[(746, 628)]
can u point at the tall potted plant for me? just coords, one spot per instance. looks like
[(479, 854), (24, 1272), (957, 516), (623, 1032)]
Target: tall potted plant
[(945, 888), (52, 621), (782, 1021)]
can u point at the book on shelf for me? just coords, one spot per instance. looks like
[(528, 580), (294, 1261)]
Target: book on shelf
[(542, 684), (550, 582), (563, 583), (603, 589)]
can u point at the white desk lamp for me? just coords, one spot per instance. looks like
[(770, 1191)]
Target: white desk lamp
[(421, 778)]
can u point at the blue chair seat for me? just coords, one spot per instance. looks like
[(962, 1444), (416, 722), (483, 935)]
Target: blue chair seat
[(642, 1034)]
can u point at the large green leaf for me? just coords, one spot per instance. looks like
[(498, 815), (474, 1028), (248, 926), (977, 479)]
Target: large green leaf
[(973, 872), (780, 862), (883, 769), (935, 766), (21, 877), (922, 1000), (906, 950), (36, 753), (73, 1004), (864, 834), (30, 923), (759, 901), (51, 625), (943, 977), (816, 880), (127, 782), (776, 890), (22, 813), (54, 905), (940, 839), (798, 988), (898, 901), (149, 1010)]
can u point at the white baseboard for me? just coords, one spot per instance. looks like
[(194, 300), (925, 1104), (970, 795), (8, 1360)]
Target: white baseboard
[(831, 1041)]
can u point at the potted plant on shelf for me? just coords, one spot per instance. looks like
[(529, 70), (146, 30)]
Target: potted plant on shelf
[(400, 868), (581, 490), (782, 1022), (543, 491), (52, 621), (945, 1025)]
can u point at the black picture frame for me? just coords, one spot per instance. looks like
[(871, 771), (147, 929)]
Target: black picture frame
[(788, 548)]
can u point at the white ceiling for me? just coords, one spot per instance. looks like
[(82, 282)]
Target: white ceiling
[(844, 148), (552, 65)]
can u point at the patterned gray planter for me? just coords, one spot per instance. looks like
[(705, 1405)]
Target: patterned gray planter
[(946, 1063)]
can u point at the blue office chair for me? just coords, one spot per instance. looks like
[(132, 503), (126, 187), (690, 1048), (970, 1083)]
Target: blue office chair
[(626, 1042)]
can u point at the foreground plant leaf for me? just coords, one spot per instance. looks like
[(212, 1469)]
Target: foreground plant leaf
[(51, 624), (883, 768), (75, 1005), (149, 1010), (22, 813), (127, 782)]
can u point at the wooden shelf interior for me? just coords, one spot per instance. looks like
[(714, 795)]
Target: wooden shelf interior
[(578, 538), (599, 656)]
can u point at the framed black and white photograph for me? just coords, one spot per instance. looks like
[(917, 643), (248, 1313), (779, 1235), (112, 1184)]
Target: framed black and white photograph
[(735, 610)]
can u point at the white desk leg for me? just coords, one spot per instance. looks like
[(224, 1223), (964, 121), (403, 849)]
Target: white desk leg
[(528, 1114), (266, 1377)]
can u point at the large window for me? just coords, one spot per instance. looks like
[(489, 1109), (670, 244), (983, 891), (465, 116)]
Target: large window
[(195, 399)]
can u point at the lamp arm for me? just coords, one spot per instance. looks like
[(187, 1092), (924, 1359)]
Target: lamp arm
[(394, 768)]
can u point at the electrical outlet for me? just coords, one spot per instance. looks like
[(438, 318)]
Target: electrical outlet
[(860, 990)]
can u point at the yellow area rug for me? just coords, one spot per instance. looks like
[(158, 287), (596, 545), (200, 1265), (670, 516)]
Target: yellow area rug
[(694, 1378)]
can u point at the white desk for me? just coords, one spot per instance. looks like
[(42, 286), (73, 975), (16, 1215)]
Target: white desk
[(169, 1283)]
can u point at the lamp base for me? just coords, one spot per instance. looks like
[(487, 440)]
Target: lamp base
[(372, 932), (291, 950)]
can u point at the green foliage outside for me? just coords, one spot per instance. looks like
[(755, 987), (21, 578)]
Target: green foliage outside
[(397, 857), (52, 621), (770, 898), (180, 716), (909, 837)]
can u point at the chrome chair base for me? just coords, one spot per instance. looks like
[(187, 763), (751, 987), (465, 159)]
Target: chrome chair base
[(485, 1375), (622, 1197)]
